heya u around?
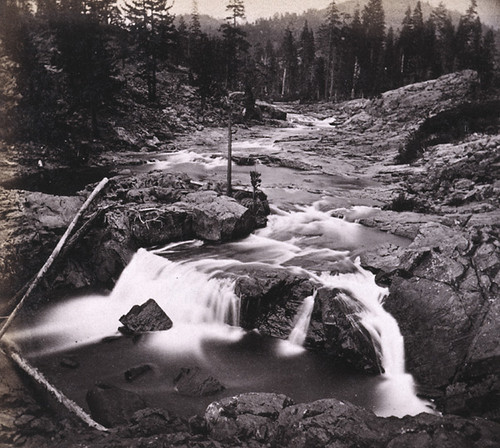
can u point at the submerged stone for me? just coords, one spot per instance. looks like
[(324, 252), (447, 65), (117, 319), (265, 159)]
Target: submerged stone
[(111, 406), (192, 381)]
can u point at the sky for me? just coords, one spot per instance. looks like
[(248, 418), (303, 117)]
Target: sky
[(267, 8)]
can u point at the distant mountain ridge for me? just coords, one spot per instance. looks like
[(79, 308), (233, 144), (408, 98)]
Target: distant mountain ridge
[(394, 14)]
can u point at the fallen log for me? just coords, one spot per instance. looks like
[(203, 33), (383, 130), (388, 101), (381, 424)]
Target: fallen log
[(40, 379), (53, 255)]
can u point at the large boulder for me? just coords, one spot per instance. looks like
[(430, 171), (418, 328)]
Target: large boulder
[(218, 218), (111, 406), (146, 317), (144, 210), (270, 299), (250, 416), (270, 302), (337, 329)]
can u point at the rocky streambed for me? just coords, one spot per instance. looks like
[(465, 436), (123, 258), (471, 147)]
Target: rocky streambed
[(434, 245)]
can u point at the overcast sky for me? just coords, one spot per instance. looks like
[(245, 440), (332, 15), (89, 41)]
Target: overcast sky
[(266, 8)]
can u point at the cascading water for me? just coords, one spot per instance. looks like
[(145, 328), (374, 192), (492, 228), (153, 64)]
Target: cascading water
[(299, 332), (198, 295)]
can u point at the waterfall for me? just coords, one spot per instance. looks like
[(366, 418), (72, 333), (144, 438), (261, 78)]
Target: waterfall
[(299, 332), (186, 292), (381, 326), (197, 302)]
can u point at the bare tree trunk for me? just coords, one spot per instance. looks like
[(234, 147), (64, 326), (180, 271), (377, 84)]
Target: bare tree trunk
[(229, 150)]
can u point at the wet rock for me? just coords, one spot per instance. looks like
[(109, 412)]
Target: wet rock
[(193, 382), (135, 372), (146, 317), (270, 299), (444, 299), (111, 406), (435, 325), (250, 416), (339, 331), (384, 258), (258, 206), (70, 363)]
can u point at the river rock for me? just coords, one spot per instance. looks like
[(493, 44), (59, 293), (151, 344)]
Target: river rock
[(158, 226), (111, 406), (329, 422), (270, 299), (218, 218), (274, 420), (336, 327), (250, 416), (270, 111), (135, 372), (146, 317), (193, 382)]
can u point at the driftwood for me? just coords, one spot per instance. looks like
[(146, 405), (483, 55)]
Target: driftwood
[(53, 256), (40, 379)]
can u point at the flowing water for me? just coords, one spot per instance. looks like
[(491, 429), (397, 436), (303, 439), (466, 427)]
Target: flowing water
[(192, 283)]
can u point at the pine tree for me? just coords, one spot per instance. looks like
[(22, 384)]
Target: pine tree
[(405, 45), (28, 93), (390, 61), (152, 28), (486, 66), (235, 43), (418, 49), (371, 64), (329, 45), (468, 38), (85, 58), (358, 49), (289, 65), (445, 40), (306, 53)]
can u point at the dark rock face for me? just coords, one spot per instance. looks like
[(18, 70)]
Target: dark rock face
[(146, 317), (270, 111), (337, 329), (270, 299), (112, 406), (327, 422), (194, 382), (275, 420), (445, 299)]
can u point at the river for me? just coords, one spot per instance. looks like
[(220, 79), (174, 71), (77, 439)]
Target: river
[(312, 230)]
